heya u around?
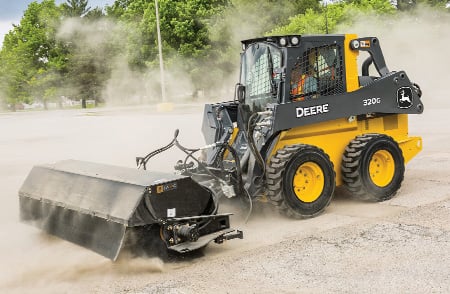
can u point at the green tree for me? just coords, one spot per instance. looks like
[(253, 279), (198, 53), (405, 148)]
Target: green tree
[(87, 37), (117, 9), (327, 18), (88, 74), (184, 29), (29, 50), (14, 74), (94, 14), (76, 8)]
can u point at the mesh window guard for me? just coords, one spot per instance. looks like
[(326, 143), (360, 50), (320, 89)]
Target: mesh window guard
[(318, 72)]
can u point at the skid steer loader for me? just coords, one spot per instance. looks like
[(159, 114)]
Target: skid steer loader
[(303, 121), (307, 118)]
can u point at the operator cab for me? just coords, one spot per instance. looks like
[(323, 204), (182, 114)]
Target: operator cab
[(283, 69)]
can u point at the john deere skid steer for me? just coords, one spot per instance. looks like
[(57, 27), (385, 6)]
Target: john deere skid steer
[(305, 119)]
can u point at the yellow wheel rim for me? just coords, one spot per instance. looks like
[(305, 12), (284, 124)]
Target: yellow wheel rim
[(308, 182), (381, 168)]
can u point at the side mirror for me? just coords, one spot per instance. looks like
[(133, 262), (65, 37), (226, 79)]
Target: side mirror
[(240, 93)]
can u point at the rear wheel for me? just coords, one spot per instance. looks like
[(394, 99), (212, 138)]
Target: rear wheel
[(300, 180), (373, 167)]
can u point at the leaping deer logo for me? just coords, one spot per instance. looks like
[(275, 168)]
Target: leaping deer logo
[(404, 98)]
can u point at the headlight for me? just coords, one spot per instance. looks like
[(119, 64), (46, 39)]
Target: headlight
[(355, 44), (283, 42), (295, 41)]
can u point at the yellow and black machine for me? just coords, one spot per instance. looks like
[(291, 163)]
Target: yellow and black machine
[(306, 118)]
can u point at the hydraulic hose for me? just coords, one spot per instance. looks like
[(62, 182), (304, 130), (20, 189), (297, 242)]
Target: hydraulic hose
[(239, 179), (252, 144), (142, 162)]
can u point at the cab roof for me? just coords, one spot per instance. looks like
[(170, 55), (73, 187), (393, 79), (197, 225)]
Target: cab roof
[(290, 39)]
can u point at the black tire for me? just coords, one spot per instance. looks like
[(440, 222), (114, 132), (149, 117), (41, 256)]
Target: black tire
[(373, 167), (288, 196)]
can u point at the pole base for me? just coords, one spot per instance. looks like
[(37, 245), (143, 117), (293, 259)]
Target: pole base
[(165, 107)]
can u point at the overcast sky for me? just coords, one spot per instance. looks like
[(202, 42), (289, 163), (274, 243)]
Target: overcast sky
[(11, 11)]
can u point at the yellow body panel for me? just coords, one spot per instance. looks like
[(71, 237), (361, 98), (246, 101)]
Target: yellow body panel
[(334, 136), (351, 64)]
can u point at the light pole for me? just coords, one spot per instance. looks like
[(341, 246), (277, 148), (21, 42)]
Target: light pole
[(161, 65)]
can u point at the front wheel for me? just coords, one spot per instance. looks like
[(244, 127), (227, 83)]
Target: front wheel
[(300, 180)]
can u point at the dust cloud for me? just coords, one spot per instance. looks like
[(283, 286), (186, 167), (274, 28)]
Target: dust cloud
[(104, 41), (87, 35), (46, 270), (128, 86)]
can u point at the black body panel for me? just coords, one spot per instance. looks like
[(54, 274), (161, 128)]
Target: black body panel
[(381, 96)]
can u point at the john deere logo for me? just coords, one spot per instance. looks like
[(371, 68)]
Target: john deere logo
[(404, 97)]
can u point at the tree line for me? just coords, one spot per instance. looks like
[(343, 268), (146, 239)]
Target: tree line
[(68, 49)]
